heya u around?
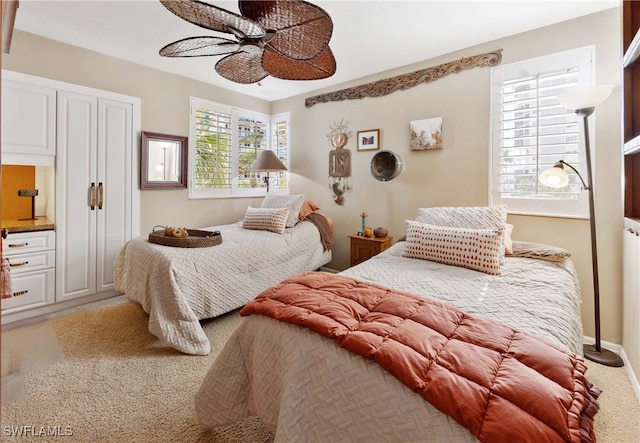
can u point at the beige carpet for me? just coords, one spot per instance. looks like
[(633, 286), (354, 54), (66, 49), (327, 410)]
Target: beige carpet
[(118, 383)]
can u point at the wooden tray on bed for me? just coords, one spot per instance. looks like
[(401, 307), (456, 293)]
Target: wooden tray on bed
[(196, 239)]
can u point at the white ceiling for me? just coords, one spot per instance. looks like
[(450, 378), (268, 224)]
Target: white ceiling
[(368, 36)]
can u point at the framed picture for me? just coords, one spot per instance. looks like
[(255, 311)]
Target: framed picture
[(369, 140), (426, 135)]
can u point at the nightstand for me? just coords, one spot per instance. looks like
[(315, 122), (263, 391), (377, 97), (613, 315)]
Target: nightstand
[(363, 248)]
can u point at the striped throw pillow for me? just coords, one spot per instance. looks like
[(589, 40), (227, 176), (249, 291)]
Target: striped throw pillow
[(266, 219)]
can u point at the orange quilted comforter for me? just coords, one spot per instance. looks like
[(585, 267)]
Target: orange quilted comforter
[(502, 384)]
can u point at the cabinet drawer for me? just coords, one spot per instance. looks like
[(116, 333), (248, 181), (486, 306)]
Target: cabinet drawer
[(28, 242), (30, 290), (34, 261)]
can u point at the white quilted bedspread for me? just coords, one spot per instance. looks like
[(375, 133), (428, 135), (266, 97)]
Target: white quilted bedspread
[(177, 287), (307, 389)]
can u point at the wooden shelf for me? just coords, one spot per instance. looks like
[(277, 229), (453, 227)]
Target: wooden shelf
[(631, 107)]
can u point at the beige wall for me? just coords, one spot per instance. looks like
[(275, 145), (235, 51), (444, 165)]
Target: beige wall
[(455, 176), (458, 174)]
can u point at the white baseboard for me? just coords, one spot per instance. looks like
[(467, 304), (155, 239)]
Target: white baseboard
[(620, 351), (329, 270), (55, 307)]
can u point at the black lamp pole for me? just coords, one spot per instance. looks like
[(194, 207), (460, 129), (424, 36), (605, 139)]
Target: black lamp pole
[(594, 352)]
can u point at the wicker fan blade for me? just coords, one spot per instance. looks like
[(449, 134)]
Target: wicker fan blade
[(303, 30), (212, 17), (200, 46), (241, 68), (280, 66)]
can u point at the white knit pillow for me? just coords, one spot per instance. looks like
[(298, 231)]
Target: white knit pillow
[(471, 217), (293, 202), (265, 219), (477, 249)]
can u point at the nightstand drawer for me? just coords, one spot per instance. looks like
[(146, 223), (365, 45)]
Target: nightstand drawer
[(363, 248)]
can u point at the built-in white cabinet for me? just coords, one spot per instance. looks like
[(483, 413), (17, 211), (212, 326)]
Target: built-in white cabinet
[(94, 152), (94, 187), (31, 258), (28, 126)]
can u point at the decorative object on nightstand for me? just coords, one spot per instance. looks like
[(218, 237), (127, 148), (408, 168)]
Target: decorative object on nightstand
[(363, 248), (583, 102), (380, 232), (339, 161)]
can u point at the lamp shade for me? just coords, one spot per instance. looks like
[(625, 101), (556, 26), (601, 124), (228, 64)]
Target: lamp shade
[(267, 161), (555, 177), (583, 98)]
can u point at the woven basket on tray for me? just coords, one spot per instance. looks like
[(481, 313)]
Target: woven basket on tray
[(195, 239)]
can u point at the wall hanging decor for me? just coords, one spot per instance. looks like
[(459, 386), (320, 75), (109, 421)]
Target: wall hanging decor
[(385, 166), (369, 140), (426, 135), (405, 81), (339, 161)]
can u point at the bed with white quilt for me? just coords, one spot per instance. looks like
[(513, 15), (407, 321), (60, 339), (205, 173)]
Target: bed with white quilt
[(456, 348), (178, 287)]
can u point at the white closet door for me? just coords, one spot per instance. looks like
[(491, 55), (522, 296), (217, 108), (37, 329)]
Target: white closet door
[(75, 175), (114, 185)]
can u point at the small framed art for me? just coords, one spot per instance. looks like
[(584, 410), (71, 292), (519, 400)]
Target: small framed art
[(369, 140)]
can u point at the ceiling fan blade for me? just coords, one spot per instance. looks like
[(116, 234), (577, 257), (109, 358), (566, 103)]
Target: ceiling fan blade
[(241, 68), (211, 17), (303, 30), (280, 66), (199, 47)]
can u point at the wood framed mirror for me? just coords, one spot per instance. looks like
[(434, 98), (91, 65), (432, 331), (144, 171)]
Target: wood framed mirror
[(163, 161)]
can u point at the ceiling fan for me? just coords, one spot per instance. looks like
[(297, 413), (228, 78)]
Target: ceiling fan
[(287, 39)]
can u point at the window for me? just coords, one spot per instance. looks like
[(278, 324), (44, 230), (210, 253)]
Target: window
[(223, 143), (531, 131)]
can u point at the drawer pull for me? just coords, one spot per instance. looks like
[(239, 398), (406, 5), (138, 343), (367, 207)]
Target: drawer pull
[(19, 293), (18, 245), (15, 265)]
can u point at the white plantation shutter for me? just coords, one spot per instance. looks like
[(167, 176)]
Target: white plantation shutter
[(223, 143), (532, 131), (280, 146), (213, 149), (252, 138)]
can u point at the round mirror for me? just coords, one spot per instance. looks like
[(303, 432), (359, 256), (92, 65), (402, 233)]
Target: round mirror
[(385, 165)]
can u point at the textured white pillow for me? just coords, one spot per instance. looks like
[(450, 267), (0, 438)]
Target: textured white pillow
[(266, 219), (471, 217), (477, 249), (293, 202)]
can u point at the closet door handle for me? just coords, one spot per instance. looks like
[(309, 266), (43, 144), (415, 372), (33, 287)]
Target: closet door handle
[(92, 197), (100, 195)]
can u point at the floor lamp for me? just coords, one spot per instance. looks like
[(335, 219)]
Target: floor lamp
[(266, 162), (583, 102)]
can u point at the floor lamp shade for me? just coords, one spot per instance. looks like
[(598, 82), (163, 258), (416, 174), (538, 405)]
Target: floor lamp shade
[(267, 161), (583, 102)]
